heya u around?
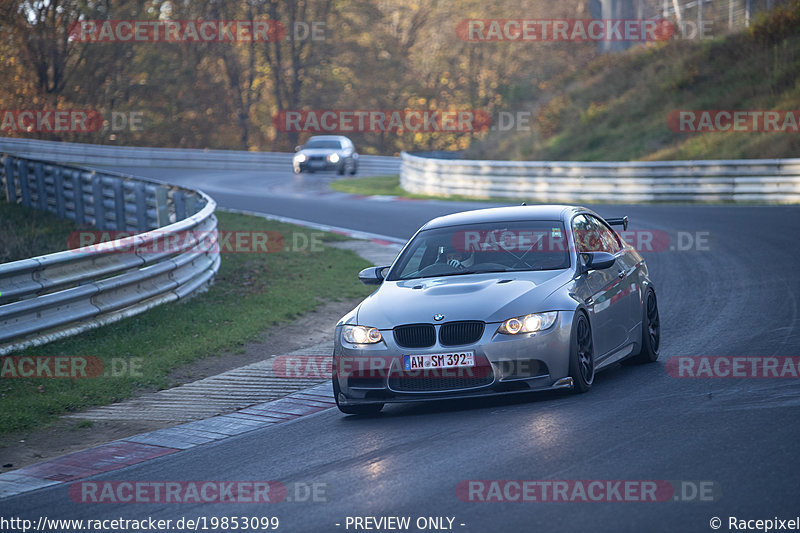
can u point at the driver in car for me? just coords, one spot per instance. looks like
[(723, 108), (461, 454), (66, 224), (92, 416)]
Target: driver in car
[(460, 260)]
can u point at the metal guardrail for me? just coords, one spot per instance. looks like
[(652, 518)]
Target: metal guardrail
[(57, 295), (753, 180), (136, 157)]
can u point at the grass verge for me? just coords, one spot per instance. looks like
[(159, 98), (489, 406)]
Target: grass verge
[(390, 186), (251, 292), (26, 232)]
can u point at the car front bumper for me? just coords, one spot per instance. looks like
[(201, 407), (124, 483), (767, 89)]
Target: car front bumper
[(316, 165), (504, 364)]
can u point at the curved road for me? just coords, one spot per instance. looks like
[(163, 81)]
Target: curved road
[(735, 295)]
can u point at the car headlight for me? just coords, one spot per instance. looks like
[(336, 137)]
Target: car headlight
[(528, 323), (361, 335), (301, 158), (333, 158)]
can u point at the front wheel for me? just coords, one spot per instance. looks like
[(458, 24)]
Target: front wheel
[(365, 410), (651, 331), (581, 357)]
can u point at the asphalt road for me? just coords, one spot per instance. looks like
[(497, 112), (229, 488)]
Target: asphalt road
[(736, 295)]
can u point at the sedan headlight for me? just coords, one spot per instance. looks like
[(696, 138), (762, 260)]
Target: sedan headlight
[(528, 323), (333, 158), (361, 335), (301, 158)]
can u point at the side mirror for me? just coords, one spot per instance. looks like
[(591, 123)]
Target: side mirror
[(596, 260), (298, 148), (373, 275)]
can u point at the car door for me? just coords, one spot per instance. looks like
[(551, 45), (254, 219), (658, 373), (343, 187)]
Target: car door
[(628, 290), (603, 286)]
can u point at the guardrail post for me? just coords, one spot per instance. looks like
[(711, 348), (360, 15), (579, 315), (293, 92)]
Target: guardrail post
[(77, 196), (41, 189), (58, 183), (191, 205), (23, 183), (11, 187), (179, 200), (141, 207), (119, 205), (162, 206), (99, 208)]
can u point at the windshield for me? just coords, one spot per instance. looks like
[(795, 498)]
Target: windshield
[(323, 144), (488, 247)]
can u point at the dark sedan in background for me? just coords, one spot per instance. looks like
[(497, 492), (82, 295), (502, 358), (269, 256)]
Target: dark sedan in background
[(326, 152)]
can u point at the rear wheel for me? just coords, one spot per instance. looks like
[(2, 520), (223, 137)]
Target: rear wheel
[(651, 331), (366, 410), (581, 359)]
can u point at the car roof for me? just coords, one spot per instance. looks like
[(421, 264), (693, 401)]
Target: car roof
[(504, 214)]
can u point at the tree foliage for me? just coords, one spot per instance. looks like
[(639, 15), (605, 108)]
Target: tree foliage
[(372, 55)]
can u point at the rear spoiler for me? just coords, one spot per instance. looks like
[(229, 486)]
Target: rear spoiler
[(622, 221)]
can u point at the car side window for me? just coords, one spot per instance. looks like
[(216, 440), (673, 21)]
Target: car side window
[(608, 238), (585, 233)]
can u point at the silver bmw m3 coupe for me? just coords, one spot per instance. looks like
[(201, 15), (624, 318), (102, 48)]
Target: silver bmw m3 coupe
[(497, 301)]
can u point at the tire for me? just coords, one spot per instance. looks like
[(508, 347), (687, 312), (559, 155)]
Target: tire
[(354, 169), (340, 170), (364, 410), (581, 355), (651, 332)]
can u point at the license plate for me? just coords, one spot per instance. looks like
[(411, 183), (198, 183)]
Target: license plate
[(317, 164), (439, 360)]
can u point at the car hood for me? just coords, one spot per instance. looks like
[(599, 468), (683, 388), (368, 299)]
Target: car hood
[(319, 151), (486, 297)]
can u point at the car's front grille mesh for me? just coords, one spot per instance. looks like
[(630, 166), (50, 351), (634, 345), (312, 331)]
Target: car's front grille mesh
[(415, 335), (458, 333), (450, 334)]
